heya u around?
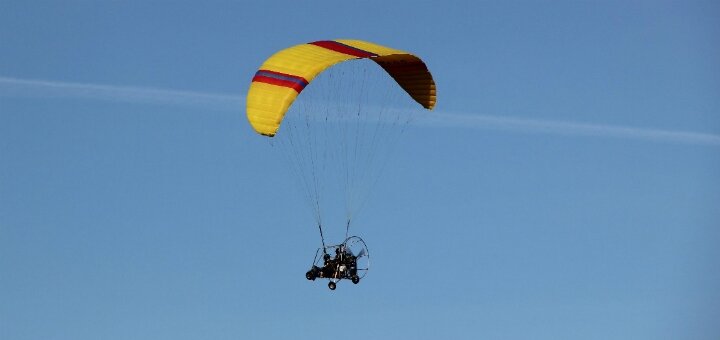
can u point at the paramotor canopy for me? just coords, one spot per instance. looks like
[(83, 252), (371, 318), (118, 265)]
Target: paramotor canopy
[(284, 75)]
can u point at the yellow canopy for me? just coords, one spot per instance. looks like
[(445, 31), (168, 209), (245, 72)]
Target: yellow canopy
[(285, 74)]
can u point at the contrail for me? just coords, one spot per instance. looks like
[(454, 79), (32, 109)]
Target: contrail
[(44, 88), (476, 121)]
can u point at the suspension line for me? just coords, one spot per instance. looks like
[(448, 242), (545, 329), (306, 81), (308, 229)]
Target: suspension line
[(322, 238)]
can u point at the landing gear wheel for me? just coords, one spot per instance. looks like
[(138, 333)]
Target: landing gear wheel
[(331, 285), (355, 279), (357, 248), (310, 275)]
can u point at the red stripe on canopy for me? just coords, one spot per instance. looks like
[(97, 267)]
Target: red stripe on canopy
[(342, 48), (279, 82)]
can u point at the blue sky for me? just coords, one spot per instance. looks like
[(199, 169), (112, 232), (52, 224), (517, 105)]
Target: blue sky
[(566, 186)]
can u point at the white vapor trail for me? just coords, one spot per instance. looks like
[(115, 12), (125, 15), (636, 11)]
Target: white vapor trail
[(129, 94), (44, 88), (475, 121)]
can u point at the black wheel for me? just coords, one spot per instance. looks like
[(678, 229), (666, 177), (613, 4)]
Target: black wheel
[(355, 279), (310, 275), (331, 285)]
